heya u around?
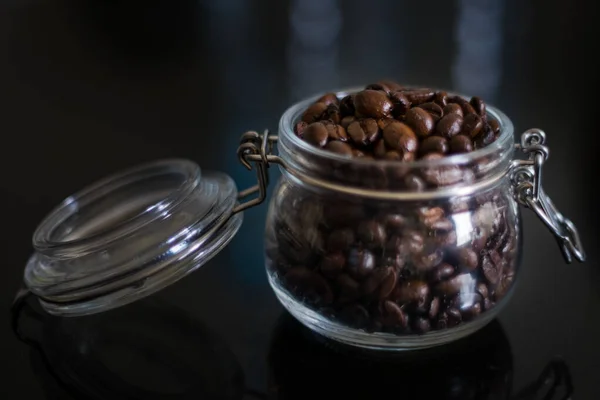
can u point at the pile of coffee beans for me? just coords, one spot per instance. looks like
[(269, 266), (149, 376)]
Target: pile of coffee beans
[(392, 122), (384, 267)]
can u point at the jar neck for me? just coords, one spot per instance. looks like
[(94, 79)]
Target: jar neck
[(452, 175)]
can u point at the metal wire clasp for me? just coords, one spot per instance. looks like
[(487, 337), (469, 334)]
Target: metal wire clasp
[(256, 148), (526, 176)]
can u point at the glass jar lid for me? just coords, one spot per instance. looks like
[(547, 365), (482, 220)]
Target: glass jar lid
[(129, 235)]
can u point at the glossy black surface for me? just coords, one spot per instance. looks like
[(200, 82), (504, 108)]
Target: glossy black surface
[(90, 87)]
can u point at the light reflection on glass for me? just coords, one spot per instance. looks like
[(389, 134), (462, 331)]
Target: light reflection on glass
[(477, 66), (464, 227)]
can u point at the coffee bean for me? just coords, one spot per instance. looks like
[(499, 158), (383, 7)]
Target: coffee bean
[(420, 121), (363, 132), (449, 126), (424, 262), (399, 136), (482, 289), (401, 104), (393, 222), (433, 144), (470, 312), (414, 183), (383, 122), (385, 85), (333, 264), (398, 155), (360, 263), (418, 96), (339, 240), (299, 128), (335, 132), (328, 98), (467, 259), (415, 293), (494, 126), (453, 108), (372, 104), (316, 134), (338, 147), (485, 137), (454, 285), (379, 149), (314, 112), (441, 98), (380, 283), (355, 316), (464, 104), (461, 144), (454, 317), (422, 325), (410, 242), (372, 234), (309, 286), (434, 307), (434, 110), (428, 215), (478, 106), (395, 261), (442, 272), (443, 175), (491, 270), (472, 125), (347, 105), (332, 113), (346, 121), (393, 315)]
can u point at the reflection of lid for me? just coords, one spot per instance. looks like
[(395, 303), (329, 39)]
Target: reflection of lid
[(130, 235), (149, 351)]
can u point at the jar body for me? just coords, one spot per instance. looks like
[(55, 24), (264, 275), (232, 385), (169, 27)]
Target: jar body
[(392, 273)]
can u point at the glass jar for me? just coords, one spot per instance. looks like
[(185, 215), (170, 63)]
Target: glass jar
[(374, 254)]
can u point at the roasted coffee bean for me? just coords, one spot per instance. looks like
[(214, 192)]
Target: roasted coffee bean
[(491, 270), (441, 98), (347, 105), (424, 262), (472, 125), (383, 122), (420, 121), (395, 261), (467, 259), (335, 132), (328, 98), (434, 307), (453, 108), (360, 263), (461, 144), (478, 106), (338, 147), (433, 109), (363, 132), (454, 285), (393, 316), (372, 234), (494, 125), (482, 289), (316, 134), (485, 137), (464, 104), (347, 120), (401, 104), (415, 293), (314, 112), (372, 104), (393, 155), (399, 136), (410, 242), (309, 286), (332, 113), (414, 183), (333, 264), (442, 272), (380, 283), (471, 311), (349, 289), (443, 175), (418, 96), (454, 317), (398, 155), (339, 240), (428, 215), (449, 126), (299, 128), (379, 149), (393, 222), (385, 85), (421, 325), (355, 316)]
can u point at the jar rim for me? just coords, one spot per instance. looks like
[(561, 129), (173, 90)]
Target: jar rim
[(292, 114)]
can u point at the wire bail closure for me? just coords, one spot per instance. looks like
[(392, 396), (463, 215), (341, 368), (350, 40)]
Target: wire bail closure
[(526, 177)]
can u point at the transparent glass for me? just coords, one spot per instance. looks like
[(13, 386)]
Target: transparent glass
[(388, 255)]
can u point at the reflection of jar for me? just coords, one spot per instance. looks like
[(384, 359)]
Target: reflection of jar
[(371, 253)]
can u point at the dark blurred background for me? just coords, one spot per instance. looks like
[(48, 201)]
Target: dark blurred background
[(88, 87)]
